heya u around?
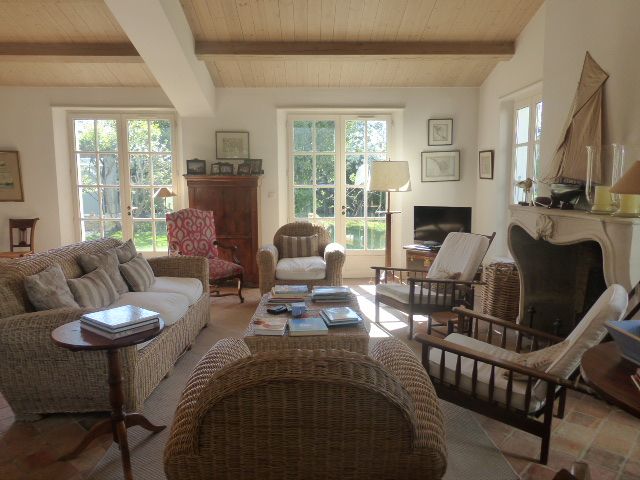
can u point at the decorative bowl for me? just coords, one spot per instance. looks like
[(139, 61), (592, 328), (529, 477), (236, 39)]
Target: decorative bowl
[(626, 334), (566, 192)]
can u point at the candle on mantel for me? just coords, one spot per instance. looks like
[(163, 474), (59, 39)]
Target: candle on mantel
[(602, 198), (629, 204)]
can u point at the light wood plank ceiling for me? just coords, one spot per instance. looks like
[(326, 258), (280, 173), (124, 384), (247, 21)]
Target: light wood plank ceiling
[(459, 24), (63, 26)]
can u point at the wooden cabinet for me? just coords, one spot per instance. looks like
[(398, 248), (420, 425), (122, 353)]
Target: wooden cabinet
[(420, 259), (234, 203)]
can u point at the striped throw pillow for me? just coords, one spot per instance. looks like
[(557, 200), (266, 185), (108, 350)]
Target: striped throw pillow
[(138, 273), (93, 290), (126, 252), (108, 262), (294, 247)]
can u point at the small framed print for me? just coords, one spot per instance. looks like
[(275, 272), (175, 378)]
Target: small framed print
[(485, 164), (214, 169), (226, 168), (244, 169), (10, 177), (440, 131), (196, 167), (232, 145), (256, 166), (441, 166)]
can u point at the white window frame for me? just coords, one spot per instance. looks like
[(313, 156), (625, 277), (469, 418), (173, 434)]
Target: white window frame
[(532, 142), (122, 116)]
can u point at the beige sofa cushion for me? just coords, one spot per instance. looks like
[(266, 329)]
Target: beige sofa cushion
[(171, 306), (301, 268), (189, 287)]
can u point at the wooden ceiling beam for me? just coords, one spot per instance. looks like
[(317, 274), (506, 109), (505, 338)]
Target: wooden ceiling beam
[(503, 49), (70, 52)]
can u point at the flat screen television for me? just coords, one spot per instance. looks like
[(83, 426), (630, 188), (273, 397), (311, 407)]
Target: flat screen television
[(432, 224)]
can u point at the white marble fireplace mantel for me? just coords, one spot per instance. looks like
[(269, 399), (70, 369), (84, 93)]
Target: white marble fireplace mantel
[(619, 237)]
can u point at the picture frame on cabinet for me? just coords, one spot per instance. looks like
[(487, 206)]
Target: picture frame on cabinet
[(244, 169), (214, 169), (226, 168), (196, 167)]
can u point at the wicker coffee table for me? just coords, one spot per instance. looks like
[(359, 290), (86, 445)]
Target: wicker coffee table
[(353, 338)]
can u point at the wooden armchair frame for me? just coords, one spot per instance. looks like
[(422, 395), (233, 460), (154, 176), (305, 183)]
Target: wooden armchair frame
[(523, 419)]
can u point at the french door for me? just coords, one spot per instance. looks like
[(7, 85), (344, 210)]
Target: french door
[(121, 162), (329, 164)]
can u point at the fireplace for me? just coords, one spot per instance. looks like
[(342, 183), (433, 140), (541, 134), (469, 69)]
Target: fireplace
[(566, 259)]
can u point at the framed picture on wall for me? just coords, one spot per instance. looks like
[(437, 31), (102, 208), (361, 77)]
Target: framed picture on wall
[(440, 131), (232, 145), (10, 177), (485, 164), (441, 166)]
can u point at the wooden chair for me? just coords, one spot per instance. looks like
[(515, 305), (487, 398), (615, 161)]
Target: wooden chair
[(25, 228), (448, 283), (470, 370)]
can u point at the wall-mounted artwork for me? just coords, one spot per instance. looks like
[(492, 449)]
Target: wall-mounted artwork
[(440, 131), (10, 178), (485, 164), (232, 145), (440, 166)]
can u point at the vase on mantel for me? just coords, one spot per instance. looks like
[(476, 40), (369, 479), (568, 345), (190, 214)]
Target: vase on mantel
[(597, 188)]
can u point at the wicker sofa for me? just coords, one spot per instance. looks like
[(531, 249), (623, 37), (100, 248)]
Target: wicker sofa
[(308, 414), (38, 377)]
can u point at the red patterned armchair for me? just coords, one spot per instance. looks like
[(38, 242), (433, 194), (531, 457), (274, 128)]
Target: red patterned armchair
[(192, 232)]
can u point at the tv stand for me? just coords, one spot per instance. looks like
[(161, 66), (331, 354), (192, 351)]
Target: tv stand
[(420, 257)]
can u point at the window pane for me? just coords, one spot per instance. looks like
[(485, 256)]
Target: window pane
[(303, 202), (330, 226), (89, 203), (302, 136), (109, 169), (537, 167), (91, 231), (87, 169), (355, 202), (326, 136), (325, 202), (325, 169), (162, 170), (522, 125), (376, 234), (141, 202), (376, 204), (113, 229), (138, 133), (355, 234), (160, 135), (521, 163), (162, 243), (376, 136), (355, 170), (538, 120), (107, 136), (111, 203), (354, 135), (140, 169), (303, 170), (85, 135), (163, 206), (142, 236)]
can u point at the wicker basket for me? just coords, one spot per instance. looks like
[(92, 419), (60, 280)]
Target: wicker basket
[(501, 294)]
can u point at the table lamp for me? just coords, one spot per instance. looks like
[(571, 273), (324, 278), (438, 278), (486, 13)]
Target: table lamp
[(629, 189), (164, 193), (389, 177)]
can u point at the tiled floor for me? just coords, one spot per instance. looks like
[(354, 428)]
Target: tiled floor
[(603, 436)]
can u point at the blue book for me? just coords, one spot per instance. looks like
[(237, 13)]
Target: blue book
[(307, 326)]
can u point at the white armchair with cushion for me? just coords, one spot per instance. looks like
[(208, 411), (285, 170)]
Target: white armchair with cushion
[(302, 254)]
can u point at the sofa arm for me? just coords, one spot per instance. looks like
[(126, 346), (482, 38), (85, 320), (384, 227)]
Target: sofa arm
[(334, 257), (182, 266), (397, 358), (184, 431), (267, 259)]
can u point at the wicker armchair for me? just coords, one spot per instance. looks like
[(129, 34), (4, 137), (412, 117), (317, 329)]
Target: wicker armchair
[(268, 257), (307, 414)]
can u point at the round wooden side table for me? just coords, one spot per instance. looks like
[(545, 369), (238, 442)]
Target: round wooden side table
[(72, 337), (604, 370)]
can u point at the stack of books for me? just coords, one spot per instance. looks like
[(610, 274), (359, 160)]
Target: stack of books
[(269, 326), (288, 294), (340, 316), (307, 326), (330, 294), (119, 322)]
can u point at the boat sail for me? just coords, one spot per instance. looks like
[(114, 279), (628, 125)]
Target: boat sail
[(583, 127)]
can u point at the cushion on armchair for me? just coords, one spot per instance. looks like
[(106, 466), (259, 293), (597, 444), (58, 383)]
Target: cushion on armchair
[(294, 247), (301, 268)]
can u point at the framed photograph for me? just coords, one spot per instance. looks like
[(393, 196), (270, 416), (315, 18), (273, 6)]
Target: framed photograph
[(196, 167), (440, 131), (226, 168), (244, 169), (485, 164), (214, 169), (256, 166), (232, 145), (440, 166), (10, 178)]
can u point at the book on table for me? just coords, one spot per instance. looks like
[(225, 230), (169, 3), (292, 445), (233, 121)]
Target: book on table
[(289, 290), (119, 319), (269, 326), (340, 316), (122, 333), (330, 294), (299, 327)]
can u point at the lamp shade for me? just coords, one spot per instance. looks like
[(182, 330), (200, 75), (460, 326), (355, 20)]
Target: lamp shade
[(164, 192), (389, 177), (630, 181)]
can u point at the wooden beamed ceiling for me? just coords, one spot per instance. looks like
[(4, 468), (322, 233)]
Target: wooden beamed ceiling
[(271, 43)]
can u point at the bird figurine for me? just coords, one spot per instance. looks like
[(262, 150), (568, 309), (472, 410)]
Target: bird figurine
[(526, 185)]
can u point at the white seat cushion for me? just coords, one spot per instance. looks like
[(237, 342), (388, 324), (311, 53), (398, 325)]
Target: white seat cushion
[(484, 372), (400, 292), (460, 252), (189, 287), (301, 268), (171, 306)]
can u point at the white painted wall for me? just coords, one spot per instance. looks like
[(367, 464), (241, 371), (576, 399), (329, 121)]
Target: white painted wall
[(508, 81)]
